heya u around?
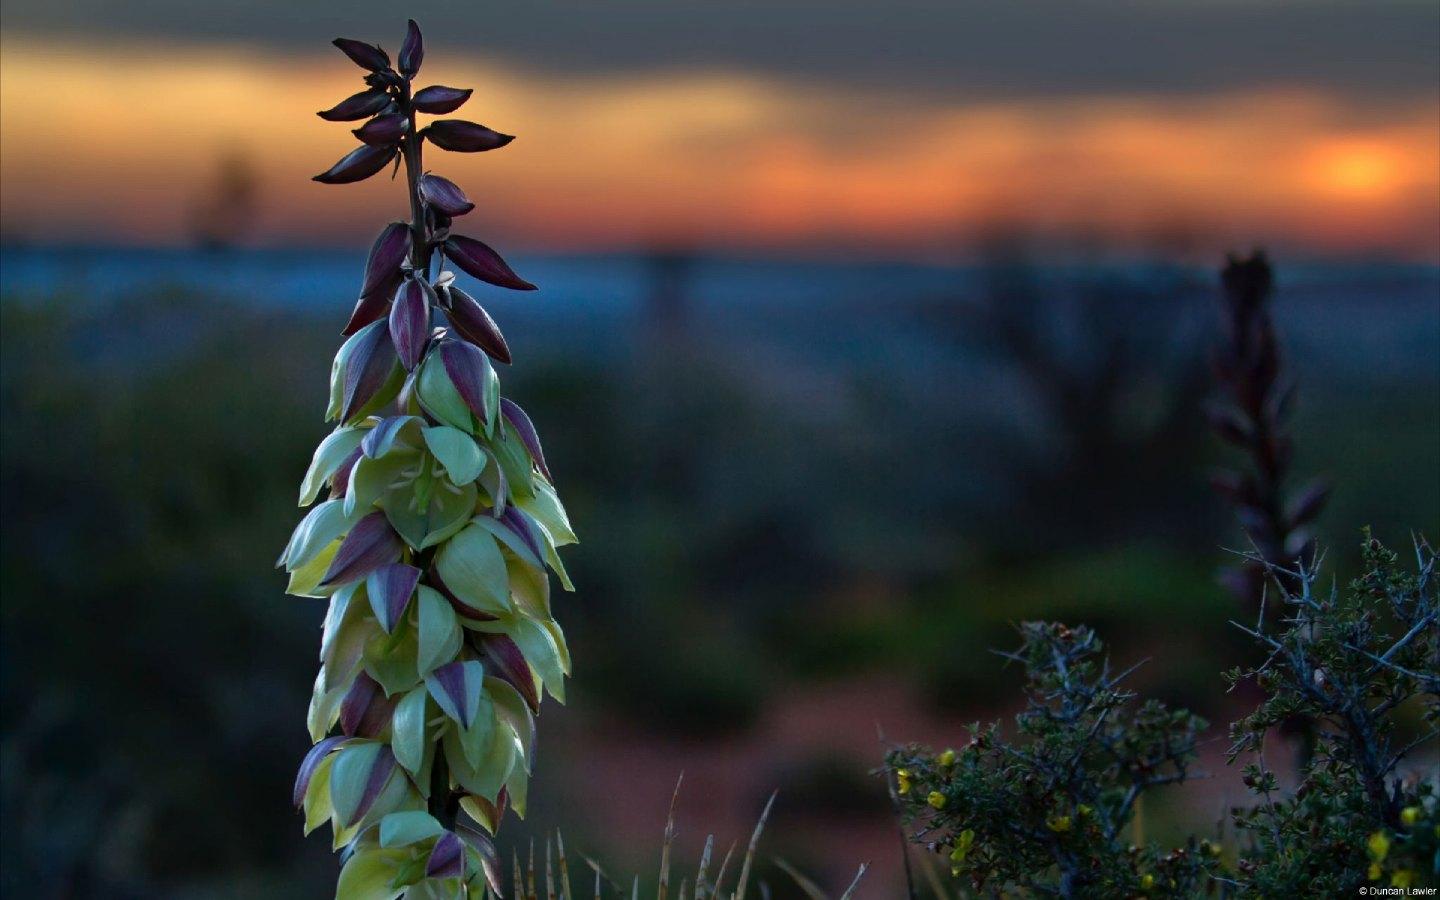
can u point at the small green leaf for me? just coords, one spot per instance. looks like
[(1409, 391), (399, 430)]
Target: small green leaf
[(457, 452), (408, 730), (514, 461), (472, 568), (400, 829), (305, 580), (545, 507), (332, 451), (321, 525), (439, 631), (368, 875), (371, 478), (390, 659), (438, 396), (541, 653), (317, 796)]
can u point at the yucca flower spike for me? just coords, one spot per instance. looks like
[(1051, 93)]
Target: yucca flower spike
[(435, 539)]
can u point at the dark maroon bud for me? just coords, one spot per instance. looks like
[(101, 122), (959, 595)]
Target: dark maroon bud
[(358, 165), (311, 762), (367, 369), (372, 306), (386, 255), (438, 99), (507, 662), (526, 429), (465, 137), (366, 56), (467, 368), (372, 543), (475, 325), (358, 106), (445, 195), (477, 259), (383, 130), (410, 321), (412, 51), (447, 860)]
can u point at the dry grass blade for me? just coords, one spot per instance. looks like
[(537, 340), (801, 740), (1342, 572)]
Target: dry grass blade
[(684, 889), (810, 888), (701, 891), (663, 891), (850, 891), (517, 872), (750, 851), (635, 888), (565, 890), (530, 875), (549, 872), (720, 875)]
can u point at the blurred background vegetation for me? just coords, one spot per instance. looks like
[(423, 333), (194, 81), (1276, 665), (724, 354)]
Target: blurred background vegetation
[(803, 516)]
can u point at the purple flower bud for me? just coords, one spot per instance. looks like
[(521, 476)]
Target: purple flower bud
[(380, 774), (366, 710), (456, 687), (412, 51), (372, 543), (386, 255), (390, 588), (438, 99), (310, 763), (358, 106), (508, 663), (465, 137), (367, 370), (526, 429), (358, 165), (366, 56), (410, 320), (519, 523), (468, 370), (484, 846), (444, 195), (447, 859), (474, 324), (382, 131), (477, 259), (341, 481)]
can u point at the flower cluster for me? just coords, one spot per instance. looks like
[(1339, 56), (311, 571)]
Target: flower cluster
[(435, 539), (1049, 814)]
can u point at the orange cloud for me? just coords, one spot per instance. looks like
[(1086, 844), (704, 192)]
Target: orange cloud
[(118, 144)]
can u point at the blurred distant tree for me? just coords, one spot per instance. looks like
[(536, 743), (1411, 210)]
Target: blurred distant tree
[(225, 213), (1104, 359)]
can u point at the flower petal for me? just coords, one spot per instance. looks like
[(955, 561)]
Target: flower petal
[(477, 259), (475, 325), (465, 137), (439, 99)]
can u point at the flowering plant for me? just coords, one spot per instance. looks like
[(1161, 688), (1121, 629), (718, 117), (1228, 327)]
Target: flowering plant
[(436, 535)]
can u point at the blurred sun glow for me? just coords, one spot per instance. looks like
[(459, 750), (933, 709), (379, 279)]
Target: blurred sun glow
[(121, 143)]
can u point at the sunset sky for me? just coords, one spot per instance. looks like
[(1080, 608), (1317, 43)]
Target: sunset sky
[(901, 128)]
